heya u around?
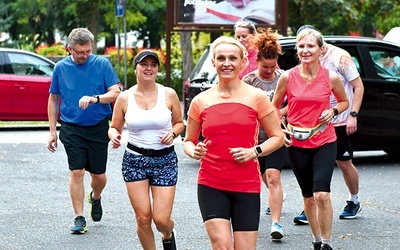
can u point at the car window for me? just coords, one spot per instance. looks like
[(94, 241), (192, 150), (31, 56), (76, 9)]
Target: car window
[(387, 62), (353, 51), (24, 64), (289, 58)]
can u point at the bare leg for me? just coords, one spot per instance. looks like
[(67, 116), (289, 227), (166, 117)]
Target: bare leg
[(77, 190), (163, 201), (98, 183), (139, 196), (350, 175), (219, 232), (275, 195)]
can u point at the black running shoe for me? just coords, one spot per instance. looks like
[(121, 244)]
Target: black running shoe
[(96, 211), (170, 244), (350, 210), (317, 245)]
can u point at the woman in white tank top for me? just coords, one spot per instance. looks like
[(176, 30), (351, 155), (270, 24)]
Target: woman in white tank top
[(153, 117)]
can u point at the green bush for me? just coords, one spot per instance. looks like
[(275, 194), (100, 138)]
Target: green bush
[(54, 50)]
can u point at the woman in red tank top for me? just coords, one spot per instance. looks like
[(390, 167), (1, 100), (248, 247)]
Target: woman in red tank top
[(312, 154)]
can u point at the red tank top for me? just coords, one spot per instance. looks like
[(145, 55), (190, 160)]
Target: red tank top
[(306, 101)]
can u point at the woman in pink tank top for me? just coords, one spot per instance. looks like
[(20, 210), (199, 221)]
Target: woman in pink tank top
[(312, 154)]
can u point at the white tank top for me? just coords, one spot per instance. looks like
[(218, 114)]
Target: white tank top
[(146, 127)]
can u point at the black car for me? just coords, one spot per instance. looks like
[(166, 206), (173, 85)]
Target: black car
[(379, 117)]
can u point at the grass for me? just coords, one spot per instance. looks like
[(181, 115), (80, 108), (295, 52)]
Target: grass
[(11, 124)]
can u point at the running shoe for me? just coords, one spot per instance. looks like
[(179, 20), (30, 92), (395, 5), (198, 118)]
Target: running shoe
[(96, 211), (170, 244), (276, 231), (301, 219), (317, 245), (79, 226), (350, 210), (326, 247)]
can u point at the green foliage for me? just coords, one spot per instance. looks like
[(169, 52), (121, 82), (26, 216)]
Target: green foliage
[(388, 17), (199, 43), (54, 50)]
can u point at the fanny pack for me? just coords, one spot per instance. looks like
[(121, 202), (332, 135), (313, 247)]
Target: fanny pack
[(303, 134)]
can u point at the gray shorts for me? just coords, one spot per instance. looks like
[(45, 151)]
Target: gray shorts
[(160, 170)]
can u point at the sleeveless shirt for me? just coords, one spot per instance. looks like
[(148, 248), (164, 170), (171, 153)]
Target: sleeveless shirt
[(306, 103), (146, 127)]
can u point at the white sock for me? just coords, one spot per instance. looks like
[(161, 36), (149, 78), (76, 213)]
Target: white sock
[(327, 241), (354, 198), (317, 238)]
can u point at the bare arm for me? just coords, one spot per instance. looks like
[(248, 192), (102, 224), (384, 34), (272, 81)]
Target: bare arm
[(108, 97), (177, 123), (275, 135), (358, 88), (190, 145), (280, 93), (118, 120), (52, 112), (340, 95)]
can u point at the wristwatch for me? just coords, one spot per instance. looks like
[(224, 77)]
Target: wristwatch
[(353, 113), (258, 150), (335, 111), (97, 98)]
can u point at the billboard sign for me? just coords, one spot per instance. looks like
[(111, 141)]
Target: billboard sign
[(226, 12)]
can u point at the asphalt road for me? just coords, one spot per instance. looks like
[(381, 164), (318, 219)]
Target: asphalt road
[(36, 212)]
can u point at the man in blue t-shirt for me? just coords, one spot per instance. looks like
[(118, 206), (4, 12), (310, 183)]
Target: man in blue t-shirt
[(82, 88)]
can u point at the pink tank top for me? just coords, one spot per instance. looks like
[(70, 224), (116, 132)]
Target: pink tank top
[(306, 101)]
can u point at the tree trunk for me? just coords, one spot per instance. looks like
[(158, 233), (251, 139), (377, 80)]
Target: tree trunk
[(94, 27), (187, 59)]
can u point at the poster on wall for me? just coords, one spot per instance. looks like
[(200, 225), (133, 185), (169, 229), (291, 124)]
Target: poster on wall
[(226, 12)]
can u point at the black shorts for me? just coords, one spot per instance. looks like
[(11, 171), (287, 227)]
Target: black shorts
[(313, 167), (344, 146), (243, 209), (275, 160), (86, 147)]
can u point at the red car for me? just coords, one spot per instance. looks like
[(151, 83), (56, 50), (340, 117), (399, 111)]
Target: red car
[(25, 79)]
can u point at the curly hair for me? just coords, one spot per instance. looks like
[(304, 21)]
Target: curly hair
[(266, 41)]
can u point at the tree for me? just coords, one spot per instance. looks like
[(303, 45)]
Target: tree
[(340, 17), (6, 19)]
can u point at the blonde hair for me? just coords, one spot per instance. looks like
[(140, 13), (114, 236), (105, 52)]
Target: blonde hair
[(228, 40), (307, 32)]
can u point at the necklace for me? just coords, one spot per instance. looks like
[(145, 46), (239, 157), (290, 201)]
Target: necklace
[(308, 77)]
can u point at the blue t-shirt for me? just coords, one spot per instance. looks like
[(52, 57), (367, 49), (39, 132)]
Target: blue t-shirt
[(72, 81)]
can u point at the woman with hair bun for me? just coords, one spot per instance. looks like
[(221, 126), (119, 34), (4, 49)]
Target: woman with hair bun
[(266, 77)]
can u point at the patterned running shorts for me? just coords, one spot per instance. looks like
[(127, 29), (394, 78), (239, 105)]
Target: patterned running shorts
[(160, 170)]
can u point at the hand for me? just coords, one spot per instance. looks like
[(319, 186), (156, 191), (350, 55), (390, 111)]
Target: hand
[(116, 141), (288, 137), (52, 143), (351, 126), (200, 150), (326, 116), (167, 138), (85, 101), (242, 154)]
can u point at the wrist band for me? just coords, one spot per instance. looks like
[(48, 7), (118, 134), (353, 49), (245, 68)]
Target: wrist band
[(173, 133), (97, 97)]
